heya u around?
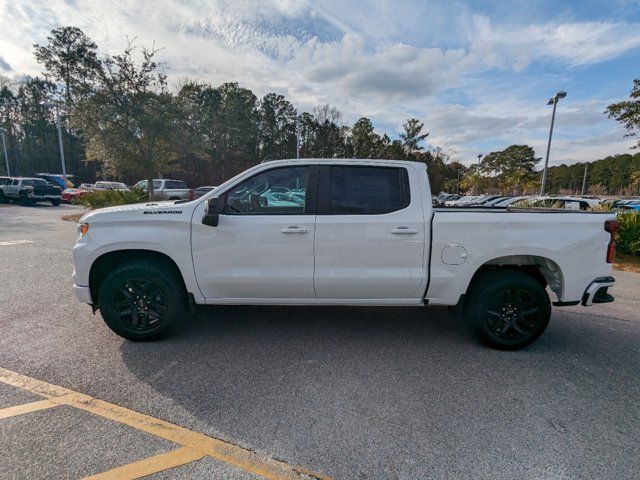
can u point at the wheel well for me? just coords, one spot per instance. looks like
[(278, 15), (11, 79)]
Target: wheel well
[(107, 262), (545, 271)]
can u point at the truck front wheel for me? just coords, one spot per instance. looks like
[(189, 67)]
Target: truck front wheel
[(507, 310), (142, 300)]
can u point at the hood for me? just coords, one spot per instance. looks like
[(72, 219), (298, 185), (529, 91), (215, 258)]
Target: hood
[(139, 211)]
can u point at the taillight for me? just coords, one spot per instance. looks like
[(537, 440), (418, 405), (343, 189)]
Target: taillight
[(612, 227)]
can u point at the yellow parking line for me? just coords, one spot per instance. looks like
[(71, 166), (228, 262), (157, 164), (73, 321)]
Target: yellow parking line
[(26, 408), (150, 465), (197, 442)]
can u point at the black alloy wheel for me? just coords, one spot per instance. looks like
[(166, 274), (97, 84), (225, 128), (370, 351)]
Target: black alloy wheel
[(507, 309), (512, 314), (142, 299), (140, 303)]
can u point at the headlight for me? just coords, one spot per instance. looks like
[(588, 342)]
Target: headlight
[(83, 228)]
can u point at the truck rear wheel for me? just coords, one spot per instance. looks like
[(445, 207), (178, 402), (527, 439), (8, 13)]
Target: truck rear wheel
[(55, 203), (142, 300), (507, 310)]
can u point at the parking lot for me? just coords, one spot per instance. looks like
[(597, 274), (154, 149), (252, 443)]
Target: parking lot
[(284, 392)]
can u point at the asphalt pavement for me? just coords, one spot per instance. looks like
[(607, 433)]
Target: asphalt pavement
[(350, 393)]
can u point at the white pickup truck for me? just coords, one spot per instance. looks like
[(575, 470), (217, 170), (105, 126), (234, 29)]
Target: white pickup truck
[(340, 232), (28, 191)]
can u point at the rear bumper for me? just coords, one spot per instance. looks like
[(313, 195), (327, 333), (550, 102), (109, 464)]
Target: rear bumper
[(597, 291), (83, 294)]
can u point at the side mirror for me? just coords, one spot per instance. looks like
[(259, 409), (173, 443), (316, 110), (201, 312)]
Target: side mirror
[(212, 211)]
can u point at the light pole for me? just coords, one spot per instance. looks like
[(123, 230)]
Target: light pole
[(57, 110), (479, 157), (4, 145), (552, 101), (297, 136), (584, 179)]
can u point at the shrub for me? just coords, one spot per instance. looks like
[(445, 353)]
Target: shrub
[(110, 198), (628, 240), (601, 207)]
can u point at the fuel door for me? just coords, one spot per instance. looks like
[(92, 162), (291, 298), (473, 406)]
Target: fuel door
[(453, 255)]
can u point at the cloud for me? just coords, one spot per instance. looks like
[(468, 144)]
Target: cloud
[(395, 73), (575, 44), (4, 65), (465, 73)]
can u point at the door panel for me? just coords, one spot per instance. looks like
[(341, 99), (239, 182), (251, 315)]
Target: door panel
[(251, 257), (263, 244), (375, 256)]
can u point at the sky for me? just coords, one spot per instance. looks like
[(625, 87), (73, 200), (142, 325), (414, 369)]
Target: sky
[(478, 74)]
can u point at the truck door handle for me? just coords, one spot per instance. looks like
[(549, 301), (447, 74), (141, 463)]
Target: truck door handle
[(404, 231), (294, 229)]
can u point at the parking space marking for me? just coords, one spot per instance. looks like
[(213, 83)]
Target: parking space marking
[(150, 465), (14, 242), (198, 444), (27, 408)]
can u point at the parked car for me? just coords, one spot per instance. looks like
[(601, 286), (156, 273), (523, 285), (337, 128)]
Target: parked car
[(27, 191), (168, 189), (569, 203), (108, 185), (86, 186), (4, 180), (62, 181), (629, 205), (360, 233), (505, 202), (200, 191), (72, 195), (466, 200)]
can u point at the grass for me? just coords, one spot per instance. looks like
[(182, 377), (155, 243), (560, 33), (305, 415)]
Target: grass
[(73, 218), (627, 263)]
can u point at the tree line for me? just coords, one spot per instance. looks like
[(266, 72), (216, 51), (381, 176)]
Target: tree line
[(121, 120)]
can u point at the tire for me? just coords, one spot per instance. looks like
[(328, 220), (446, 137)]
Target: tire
[(73, 200), (55, 203), (25, 201), (3, 199), (507, 310), (133, 285)]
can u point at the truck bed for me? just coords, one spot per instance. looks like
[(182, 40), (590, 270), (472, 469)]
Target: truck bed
[(465, 239)]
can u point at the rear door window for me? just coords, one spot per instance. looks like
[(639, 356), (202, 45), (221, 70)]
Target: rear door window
[(176, 184), (356, 190)]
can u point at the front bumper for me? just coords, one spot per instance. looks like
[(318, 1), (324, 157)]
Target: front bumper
[(83, 294), (597, 291)]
